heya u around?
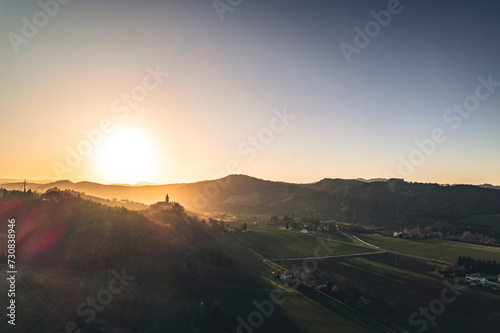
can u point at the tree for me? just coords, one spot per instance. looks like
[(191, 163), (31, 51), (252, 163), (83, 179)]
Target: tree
[(480, 265)]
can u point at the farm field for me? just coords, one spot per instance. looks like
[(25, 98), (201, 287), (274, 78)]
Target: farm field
[(434, 248), (252, 282), (274, 243), (389, 290)]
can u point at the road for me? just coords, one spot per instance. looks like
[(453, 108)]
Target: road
[(395, 252), (327, 257), (335, 304), (340, 306)]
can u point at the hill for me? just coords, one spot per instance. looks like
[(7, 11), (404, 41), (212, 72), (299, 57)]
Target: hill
[(183, 274), (490, 186), (149, 271), (378, 202)]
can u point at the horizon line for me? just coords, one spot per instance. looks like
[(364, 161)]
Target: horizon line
[(5, 181)]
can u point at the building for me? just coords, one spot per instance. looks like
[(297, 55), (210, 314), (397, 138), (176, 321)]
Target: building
[(160, 205), (476, 279), (286, 276)]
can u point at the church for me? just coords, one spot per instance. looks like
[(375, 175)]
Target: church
[(162, 204)]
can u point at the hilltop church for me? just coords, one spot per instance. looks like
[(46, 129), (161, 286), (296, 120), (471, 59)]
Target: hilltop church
[(162, 204)]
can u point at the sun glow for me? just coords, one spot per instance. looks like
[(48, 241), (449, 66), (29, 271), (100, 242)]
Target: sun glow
[(126, 156)]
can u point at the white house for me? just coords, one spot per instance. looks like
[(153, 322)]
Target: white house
[(476, 279), (285, 276), (304, 231)]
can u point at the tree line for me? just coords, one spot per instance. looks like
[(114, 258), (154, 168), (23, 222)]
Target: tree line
[(472, 265)]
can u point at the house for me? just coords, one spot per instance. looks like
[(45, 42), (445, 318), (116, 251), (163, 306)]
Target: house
[(397, 234), (476, 279), (304, 231), (286, 276)]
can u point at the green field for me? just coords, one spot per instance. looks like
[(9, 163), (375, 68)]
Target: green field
[(396, 285), (434, 248), (274, 243), (253, 283), (397, 288)]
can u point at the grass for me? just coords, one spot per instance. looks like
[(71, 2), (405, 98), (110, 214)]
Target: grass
[(297, 314), (434, 248), (47, 297), (408, 284), (277, 243), (312, 316)]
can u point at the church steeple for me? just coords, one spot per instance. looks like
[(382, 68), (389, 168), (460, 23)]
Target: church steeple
[(167, 199)]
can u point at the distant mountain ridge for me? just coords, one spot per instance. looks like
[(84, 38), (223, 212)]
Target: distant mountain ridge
[(490, 186), (374, 201)]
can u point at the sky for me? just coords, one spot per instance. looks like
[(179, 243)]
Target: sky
[(186, 90)]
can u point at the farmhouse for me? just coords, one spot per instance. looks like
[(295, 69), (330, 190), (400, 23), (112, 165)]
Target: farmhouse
[(286, 276), (476, 278)]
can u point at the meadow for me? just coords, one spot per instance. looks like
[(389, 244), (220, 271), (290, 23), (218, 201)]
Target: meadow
[(384, 287), (390, 291), (253, 282), (275, 243), (434, 248)]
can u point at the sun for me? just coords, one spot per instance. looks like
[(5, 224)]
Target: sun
[(127, 155)]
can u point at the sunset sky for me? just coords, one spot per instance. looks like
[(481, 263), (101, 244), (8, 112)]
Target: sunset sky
[(175, 91)]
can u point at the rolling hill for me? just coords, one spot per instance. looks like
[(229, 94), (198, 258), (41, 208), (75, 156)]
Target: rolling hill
[(377, 202)]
